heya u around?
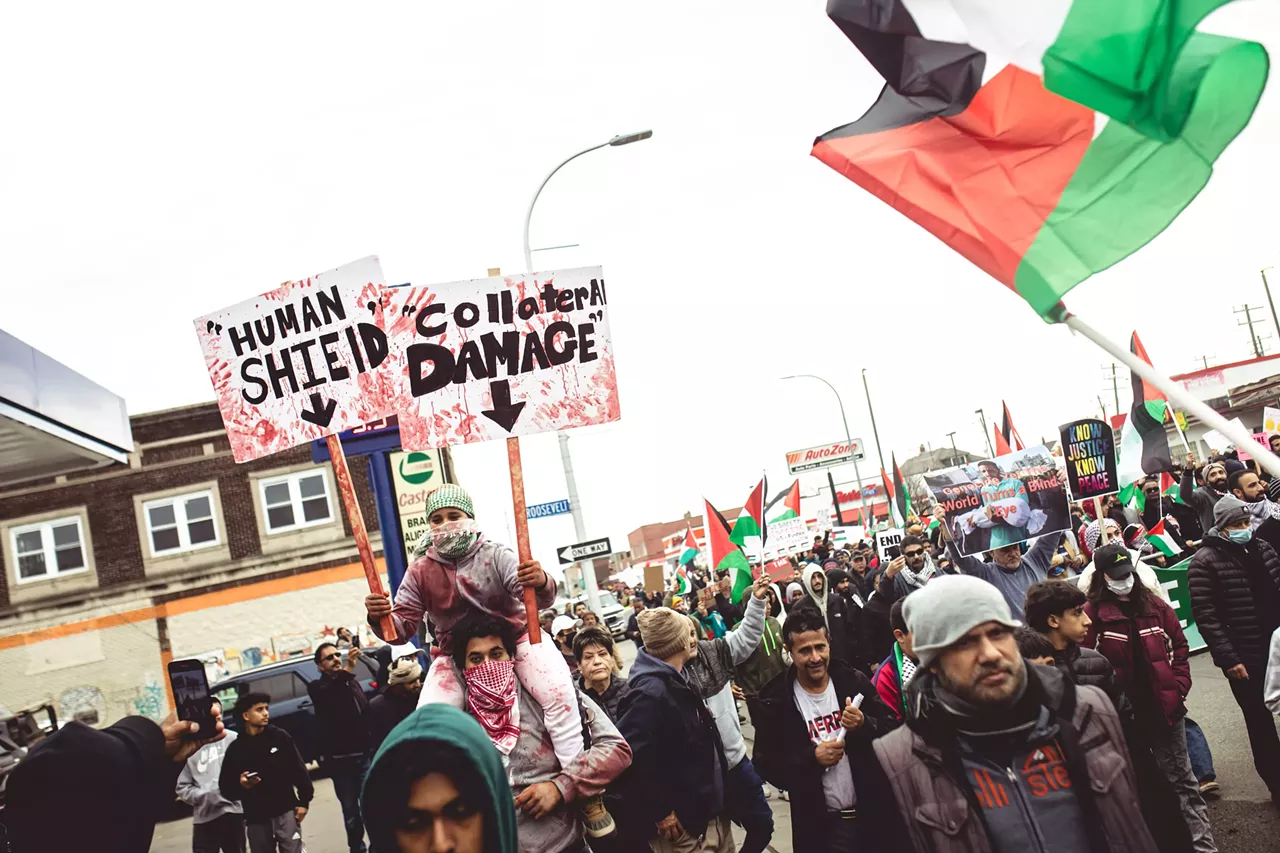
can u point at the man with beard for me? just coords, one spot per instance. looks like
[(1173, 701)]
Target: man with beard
[(987, 730), (814, 741), (1154, 511), (388, 708), (1246, 486), (1203, 499), (910, 571), (1010, 571)]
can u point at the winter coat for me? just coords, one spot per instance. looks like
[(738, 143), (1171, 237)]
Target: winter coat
[(1163, 645), (386, 710), (482, 579), (763, 664), (785, 756), (1013, 585), (1090, 668), (608, 700), (677, 762), (198, 782), (708, 673), (340, 708), (877, 633), (633, 629), (1223, 600), (939, 808), (271, 754), (1271, 689), (1202, 499)]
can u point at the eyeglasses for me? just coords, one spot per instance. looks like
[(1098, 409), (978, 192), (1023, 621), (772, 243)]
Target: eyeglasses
[(911, 555), (333, 656)]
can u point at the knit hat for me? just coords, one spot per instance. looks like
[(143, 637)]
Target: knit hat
[(450, 495), (948, 607), (404, 671), (663, 631), (1229, 510), (1114, 560), (1231, 466)]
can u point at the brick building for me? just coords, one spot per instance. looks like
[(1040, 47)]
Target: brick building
[(107, 574)]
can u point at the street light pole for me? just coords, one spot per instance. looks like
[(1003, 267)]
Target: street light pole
[(872, 412), (571, 483), (857, 474), (1267, 287)]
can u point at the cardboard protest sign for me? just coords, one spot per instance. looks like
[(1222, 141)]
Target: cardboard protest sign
[(1001, 501), (1261, 438), (1270, 419), (779, 569), (497, 357), (299, 362), (886, 540), (1089, 450), (789, 534)]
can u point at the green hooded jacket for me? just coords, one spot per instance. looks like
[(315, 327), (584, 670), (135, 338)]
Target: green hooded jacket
[(453, 727)]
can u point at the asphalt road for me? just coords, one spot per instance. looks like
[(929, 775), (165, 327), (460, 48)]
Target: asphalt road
[(1244, 820)]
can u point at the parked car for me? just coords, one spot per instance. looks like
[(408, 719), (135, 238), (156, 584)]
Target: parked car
[(286, 683), (614, 615)]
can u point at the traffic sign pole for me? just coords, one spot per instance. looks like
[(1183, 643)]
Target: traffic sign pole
[(361, 534)]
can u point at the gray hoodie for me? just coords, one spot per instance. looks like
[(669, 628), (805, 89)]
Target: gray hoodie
[(198, 782)]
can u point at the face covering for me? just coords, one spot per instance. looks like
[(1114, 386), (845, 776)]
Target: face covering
[(491, 696), (1240, 536), (455, 538), (1121, 587)]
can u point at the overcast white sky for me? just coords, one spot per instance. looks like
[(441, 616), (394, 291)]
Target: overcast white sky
[(161, 161)]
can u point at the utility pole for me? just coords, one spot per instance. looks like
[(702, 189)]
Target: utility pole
[(1254, 340), (982, 416), (875, 432), (1115, 382), (1204, 360), (954, 453), (1267, 287), (1103, 407)]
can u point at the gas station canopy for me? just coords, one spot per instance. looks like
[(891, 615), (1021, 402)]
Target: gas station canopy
[(53, 420)]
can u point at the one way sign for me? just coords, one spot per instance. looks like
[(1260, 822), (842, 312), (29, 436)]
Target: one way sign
[(584, 551)]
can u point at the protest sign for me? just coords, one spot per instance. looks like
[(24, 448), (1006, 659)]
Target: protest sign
[(789, 534), (500, 357), (1001, 501), (1262, 440), (886, 540), (1089, 451), (779, 569), (299, 362), (1270, 419)]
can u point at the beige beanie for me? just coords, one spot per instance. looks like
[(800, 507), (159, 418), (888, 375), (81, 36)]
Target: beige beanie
[(663, 631)]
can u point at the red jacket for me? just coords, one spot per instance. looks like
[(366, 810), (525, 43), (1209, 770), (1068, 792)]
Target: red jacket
[(1163, 643)]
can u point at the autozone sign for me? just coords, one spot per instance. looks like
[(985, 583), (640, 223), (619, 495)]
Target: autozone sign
[(824, 456)]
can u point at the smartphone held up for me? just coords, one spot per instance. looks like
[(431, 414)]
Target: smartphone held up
[(191, 695)]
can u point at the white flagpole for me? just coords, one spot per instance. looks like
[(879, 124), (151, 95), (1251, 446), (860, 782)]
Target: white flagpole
[(1176, 393)]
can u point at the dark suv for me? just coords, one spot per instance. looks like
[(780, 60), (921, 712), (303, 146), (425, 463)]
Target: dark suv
[(286, 683)]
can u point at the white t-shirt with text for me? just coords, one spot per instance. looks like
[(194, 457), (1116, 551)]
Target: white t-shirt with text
[(821, 713)]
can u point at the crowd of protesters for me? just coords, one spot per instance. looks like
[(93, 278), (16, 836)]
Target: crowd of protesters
[(1033, 698)]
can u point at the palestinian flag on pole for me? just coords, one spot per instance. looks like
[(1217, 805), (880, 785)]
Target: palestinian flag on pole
[(690, 547), (1009, 431), (683, 587), (751, 520), (900, 490), (789, 501), (1002, 444), (724, 554), (1043, 141), (889, 493), (1131, 495), (1162, 541), (1144, 446)]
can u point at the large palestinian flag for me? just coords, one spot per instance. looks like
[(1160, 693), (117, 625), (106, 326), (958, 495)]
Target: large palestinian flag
[(726, 556), (1144, 445), (787, 503), (1044, 140), (751, 520)]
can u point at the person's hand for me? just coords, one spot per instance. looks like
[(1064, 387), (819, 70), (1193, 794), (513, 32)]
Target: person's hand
[(895, 566), (352, 654), (377, 605), (760, 585), (738, 695), (177, 744), (1191, 460), (1238, 673), (669, 827), (829, 752), (299, 812), (539, 799), (247, 782), (531, 574), (851, 717)]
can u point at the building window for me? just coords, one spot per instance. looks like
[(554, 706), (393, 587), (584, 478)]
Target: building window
[(181, 523), (48, 549), (296, 500)]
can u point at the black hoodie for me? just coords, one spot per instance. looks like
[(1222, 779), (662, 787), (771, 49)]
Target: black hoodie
[(272, 755)]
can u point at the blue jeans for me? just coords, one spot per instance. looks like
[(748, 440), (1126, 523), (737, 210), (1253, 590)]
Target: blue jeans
[(348, 775), (745, 805), (1198, 749)]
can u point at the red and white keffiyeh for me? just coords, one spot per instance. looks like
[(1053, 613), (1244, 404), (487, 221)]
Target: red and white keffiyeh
[(492, 694)]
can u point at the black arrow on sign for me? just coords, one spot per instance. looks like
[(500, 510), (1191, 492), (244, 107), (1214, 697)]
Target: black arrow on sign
[(504, 413), (321, 412)]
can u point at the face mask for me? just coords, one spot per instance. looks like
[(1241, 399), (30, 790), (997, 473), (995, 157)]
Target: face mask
[(1121, 587), (1240, 536), (455, 538), (491, 697)]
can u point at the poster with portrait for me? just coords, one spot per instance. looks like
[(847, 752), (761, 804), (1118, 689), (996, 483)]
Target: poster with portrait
[(1002, 501)]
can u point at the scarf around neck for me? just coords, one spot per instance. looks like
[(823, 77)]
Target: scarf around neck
[(493, 696)]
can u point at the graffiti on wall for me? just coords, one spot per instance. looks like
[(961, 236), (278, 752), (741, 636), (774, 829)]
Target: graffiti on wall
[(84, 704)]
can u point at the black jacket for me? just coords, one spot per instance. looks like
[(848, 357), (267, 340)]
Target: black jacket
[(1202, 499), (786, 758), (386, 710), (877, 634), (633, 630), (340, 706), (1086, 666), (85, 789), (1224, 603), (272, 755), (609, 699), (677, 760)]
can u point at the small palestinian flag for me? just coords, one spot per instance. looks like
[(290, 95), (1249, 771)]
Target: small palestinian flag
[(1043, 141), (1144, 446), (751, 520), (726, 556), (1009, 431), (1132, 496), (682, 582), (1162, 541), (690, 547), (789, 501), (900, 494)]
